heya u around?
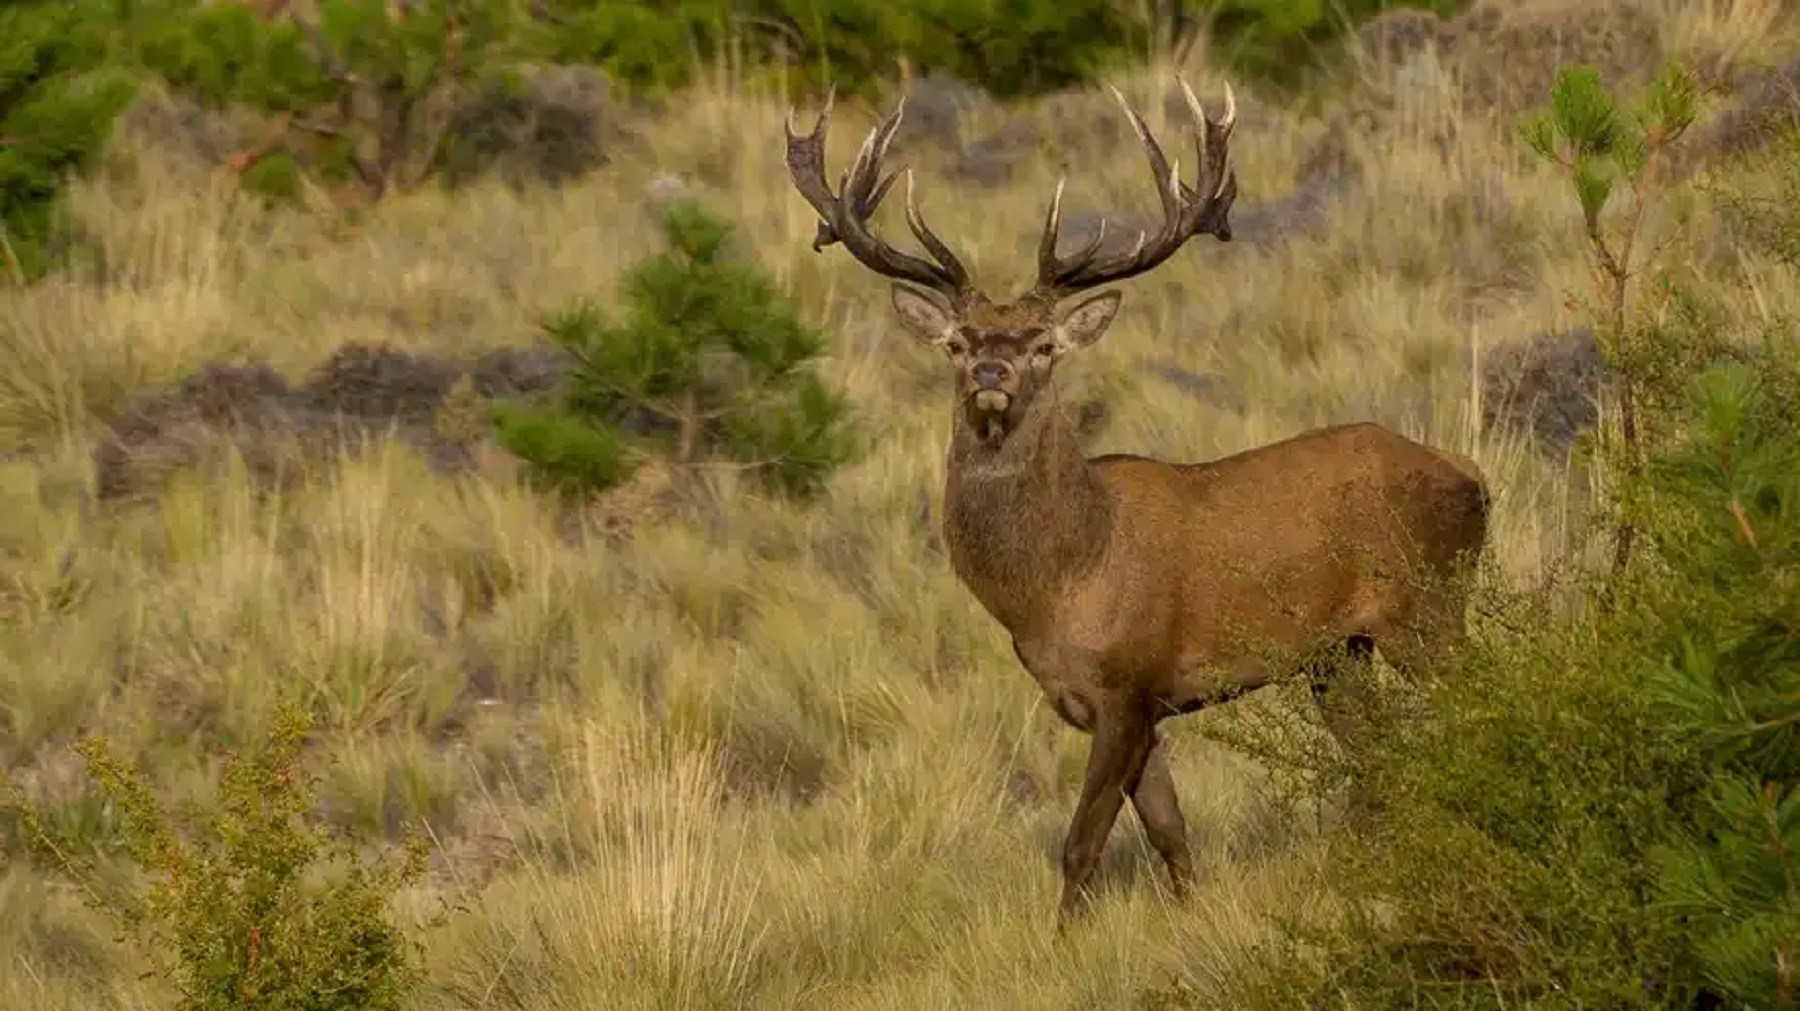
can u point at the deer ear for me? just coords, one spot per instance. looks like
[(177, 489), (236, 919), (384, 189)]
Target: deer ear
[(928, 322), (1087, 321)]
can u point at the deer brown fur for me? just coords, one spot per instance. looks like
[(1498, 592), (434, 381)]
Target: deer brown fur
[(1136, 589)]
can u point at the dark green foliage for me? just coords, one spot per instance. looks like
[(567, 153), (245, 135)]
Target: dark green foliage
[(709, 361), (250, 905), (1011, 48), (1600, 807), (366, 90), (1602, 810), (1728, 534), (1280, 40), (567, 452), (362, 90), (225, 52), (1521, 800), (58, 101)]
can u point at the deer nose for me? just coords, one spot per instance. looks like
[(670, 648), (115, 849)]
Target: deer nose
[(989, 375)]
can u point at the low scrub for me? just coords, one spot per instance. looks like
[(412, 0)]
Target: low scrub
[(1601, 807), (249, 906)]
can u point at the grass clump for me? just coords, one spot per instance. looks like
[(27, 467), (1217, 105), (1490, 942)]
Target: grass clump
[(709, 364), (249, 905)]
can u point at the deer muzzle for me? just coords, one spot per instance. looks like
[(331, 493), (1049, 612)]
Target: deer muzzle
[(995, 401)]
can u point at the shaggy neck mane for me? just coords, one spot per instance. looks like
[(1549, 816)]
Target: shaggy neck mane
[(1023, 518)]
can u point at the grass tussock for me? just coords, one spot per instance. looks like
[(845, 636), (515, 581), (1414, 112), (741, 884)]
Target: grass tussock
[(759, 753)]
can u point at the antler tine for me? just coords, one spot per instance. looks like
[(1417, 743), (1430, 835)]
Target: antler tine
[(953, 267), (1187, 210), (1048, 263), (1214, 176), (844, 216), (1168, 188)]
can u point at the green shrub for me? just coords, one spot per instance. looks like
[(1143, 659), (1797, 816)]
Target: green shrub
[(362, 91), (1522, 799), (250, 906), (1727, 535), (1011, 48), (710, 362), (1280, 40), (1599, 808), (58, 101)]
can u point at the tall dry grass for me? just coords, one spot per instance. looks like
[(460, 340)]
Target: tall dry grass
[(759, 755)]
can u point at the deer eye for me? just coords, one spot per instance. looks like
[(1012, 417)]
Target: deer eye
[(1044, 350), (956, 346)]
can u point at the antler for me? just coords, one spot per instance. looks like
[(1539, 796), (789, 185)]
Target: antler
[(1187, 210), (844, 216)]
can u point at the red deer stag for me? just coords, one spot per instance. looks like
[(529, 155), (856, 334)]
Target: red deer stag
[(1136, 589)]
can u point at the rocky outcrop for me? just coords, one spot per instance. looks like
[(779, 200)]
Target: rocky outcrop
[(277, 429)]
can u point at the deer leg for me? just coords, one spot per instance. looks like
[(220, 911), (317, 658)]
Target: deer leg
[(1159, 808), (1340, 689), (1122, 742), (1337, 688)]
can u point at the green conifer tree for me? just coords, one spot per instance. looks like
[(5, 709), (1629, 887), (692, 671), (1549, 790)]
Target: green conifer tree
[(709, 363)]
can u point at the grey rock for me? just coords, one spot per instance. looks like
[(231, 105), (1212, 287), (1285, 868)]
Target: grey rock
[(989, 161), (361, 392), (1546, 386), (553, 126), (512, 372), (667, 187), (380, 383), (937, 105)]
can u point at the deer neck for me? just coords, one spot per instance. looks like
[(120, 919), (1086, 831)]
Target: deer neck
[(1024, 518)]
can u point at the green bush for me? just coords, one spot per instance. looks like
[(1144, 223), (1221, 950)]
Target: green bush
[(1280, 40), (363, 91), (710, 363), (251, 905), (1600, 807), (58, 101), (1727, 537), (1522, 799), (1011, 48), (1598, 810)]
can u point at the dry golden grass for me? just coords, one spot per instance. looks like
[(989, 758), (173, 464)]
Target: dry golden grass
[(759, 756)]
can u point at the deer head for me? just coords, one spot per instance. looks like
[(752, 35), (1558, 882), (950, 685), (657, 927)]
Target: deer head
[(1005, 354)]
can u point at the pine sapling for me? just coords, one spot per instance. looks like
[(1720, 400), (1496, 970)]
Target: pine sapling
[(1604, 150)]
